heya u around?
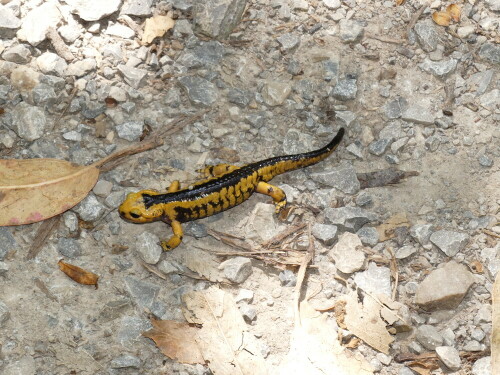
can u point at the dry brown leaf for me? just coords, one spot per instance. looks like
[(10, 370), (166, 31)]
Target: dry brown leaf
[(177, 340), (454, 11), (386, 229), (223, 339), (400, 2), (364, 321), (203, 263), (495, 323), (32, 190), (156, 26), (78, 274), (315, 349), (441, 18)]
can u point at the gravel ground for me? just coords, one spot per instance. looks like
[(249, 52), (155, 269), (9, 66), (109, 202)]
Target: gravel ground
[(77, 82)]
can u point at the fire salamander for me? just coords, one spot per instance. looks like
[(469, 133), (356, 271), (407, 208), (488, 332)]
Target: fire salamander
[(225, 186)]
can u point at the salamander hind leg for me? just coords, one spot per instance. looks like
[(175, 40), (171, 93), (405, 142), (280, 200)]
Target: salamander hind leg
[(174, 186), (216, 170), (176, 239), (278, 195)]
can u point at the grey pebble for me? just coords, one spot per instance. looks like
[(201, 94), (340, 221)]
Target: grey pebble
[(440, 69), (217, 19), (429, 337), (350, 31), (205, 55), (482, 366), (331, 70), (422, 233), (131, 131), (287, 278), (368, 236), (144, 293), (395, 108), (379, 147), (326, 233), (427, 35), (289, 41), (449, 242), (490, 52), (90, 208), (485, 161), (102, 188), (19, 54), (148, 247), (237, 269), (133, 76), (405, 252), (349, 218), (195, 229), (139, 8), (417, 114), (7, 242), (239, 97), (363, 199), (199, 90), (9, 23), (69, 247), (345, 89), (449, 356), (28, 122), (374, 280), (81, 68), (248, 312)]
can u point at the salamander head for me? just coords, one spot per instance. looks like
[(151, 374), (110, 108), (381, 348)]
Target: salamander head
[(134, 209)]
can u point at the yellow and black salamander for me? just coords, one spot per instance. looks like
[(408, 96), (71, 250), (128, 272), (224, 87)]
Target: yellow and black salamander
[(225, 186)]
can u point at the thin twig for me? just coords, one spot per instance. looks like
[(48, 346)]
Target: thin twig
[(154, 140), (415, 18), (385, 39), (301, 275), (280, 236), (70, 99), (41, 236), (61, 48), (393, 265)]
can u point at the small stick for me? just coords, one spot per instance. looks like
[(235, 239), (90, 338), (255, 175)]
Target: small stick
[(301, 275), (153, 141), (41, 236), (384, 39), (415, 18), (71, 97), (59, 45), (280, 236), (132, 24)]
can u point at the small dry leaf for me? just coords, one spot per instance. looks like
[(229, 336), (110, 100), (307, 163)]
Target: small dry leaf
[(441, 18), (33, 190), (110, 102), (78, 274), (476, 266), (156, 26), (177, 340), (386, 229), (400, 2), (454, 11)]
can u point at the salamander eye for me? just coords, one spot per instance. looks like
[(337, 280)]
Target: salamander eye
[(135, 214)]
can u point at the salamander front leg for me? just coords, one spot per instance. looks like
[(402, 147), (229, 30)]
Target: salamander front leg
[(278, 195), (216, 170), (176, 239), (174, 186)]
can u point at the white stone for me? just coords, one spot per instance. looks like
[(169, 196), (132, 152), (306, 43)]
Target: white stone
[(347, 253), (120, 30), (50, 63), (37, 22), (94, 10)]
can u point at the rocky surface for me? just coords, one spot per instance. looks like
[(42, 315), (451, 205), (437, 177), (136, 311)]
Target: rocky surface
[(275, 77)]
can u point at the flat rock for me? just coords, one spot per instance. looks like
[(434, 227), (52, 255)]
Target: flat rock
[(199, 90), (237, 269), (139, 8), (418, 115), (345, 89), (93, 10), (490, 52), (135, 77), (144, 293), (131, 131), (217, 18), (449, 242), (349, 218), (28, 122), (427, 35), (374, 280), (449, 356), (81, 68), (348, 254), (37, 22), (275, 93), (90, 208), (440, 69), (19, 54), (429, 337), (350, 31), (422, 233), (9, 23), (342, 178), (445, 287)]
